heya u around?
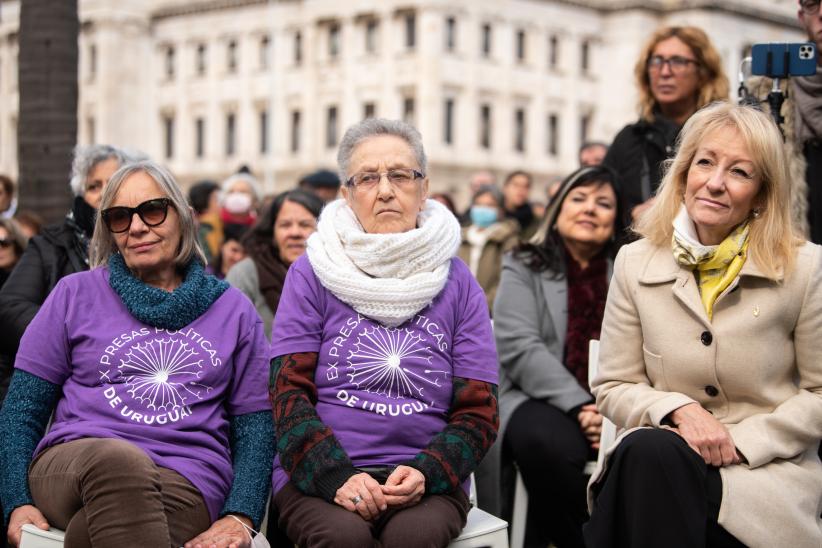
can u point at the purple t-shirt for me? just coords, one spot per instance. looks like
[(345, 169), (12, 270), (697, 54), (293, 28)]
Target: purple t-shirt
[(385, 392), (168, 392)]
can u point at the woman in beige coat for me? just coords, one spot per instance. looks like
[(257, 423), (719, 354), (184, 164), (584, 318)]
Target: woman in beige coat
[(711, 355)]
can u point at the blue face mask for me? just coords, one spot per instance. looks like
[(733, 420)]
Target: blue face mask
[(483, 216)]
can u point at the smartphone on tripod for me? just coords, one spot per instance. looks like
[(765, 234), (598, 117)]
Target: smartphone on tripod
[(783, 60)]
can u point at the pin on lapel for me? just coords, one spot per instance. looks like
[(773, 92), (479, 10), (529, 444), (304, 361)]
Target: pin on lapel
[(756, 311)]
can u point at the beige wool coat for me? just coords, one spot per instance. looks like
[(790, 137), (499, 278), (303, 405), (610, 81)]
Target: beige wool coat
[(757, 367)]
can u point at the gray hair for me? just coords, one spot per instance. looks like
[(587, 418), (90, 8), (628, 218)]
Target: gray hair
[(495, 193), (86, 157), (103, 246), (371, 127), (244, 177)]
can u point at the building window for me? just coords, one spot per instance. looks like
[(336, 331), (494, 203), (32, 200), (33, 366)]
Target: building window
[(553, 52), (298, 48), (519, 130), (331, 127), (520, 46), (200, 59), (263, 132), (410, 31), (584, 127), (486, 40), (231, 56), (408, 110), (92, 61), (371, 36), (333, 40), (295, 130), (230, 134), (265, 52), (199, 138), (168, 134), (169, 62), (585, 57), (91, 130), (553, 134), (369, 110), (485, 126), (448, 122), (450, 33)]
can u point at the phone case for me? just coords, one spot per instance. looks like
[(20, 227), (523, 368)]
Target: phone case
[(783, 60)]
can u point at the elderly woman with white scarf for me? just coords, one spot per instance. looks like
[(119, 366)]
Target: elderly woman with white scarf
[(384, 374)]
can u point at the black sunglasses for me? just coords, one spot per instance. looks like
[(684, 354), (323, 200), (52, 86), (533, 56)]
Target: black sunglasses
[(151, 212), (6, 242)]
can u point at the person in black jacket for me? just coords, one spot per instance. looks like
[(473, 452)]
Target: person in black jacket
[(60, 249), (678, 73)]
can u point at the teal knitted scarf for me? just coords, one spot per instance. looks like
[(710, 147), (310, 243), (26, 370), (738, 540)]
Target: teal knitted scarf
[(160, 308)]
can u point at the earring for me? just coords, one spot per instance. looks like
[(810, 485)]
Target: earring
[(756, 212)]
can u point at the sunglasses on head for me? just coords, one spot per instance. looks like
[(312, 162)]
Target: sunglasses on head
[(151, 212)]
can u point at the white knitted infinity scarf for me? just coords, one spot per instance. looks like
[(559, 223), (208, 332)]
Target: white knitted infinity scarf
[(386, 277)]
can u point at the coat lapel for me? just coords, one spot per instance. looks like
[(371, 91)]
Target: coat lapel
[(555, 293), (662, 268)]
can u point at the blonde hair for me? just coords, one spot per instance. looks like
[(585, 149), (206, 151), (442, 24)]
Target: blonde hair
[(773, 238), (102, 244), (713, 84)]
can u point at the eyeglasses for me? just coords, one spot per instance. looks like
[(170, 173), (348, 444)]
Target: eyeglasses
[(367, 180), (810, 7), (677, 63), (151, 212), (6, 242)]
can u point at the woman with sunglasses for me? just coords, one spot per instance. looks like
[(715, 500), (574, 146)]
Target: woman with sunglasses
[(155, 374), (12, 244), (678, 72)]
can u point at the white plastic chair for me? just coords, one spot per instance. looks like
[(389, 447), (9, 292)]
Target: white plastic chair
[(33, 537), (520, 514), (481, 528)]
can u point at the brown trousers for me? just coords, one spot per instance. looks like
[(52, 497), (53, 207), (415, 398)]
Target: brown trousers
[(311, 522), (108, 492)]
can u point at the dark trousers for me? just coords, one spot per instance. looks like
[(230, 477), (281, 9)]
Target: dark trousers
[(108, 492), (312, 522), (657, 492), (550, 451)]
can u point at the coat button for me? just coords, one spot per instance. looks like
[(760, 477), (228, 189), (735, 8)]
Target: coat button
[(712, 390), (706, 338)]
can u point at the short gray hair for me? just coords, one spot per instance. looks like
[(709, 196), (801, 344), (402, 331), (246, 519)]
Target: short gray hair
[(371, 127), (86, 157), (103, 246)]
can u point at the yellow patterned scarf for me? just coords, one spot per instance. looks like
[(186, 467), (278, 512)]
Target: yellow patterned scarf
[(715, 266)]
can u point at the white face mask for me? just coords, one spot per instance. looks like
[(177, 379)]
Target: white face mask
[(237, 203), (258, 540)]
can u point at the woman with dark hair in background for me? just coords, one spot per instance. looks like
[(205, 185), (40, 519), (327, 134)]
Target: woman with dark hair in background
[(273, 244), (678, 72), (549, 305)]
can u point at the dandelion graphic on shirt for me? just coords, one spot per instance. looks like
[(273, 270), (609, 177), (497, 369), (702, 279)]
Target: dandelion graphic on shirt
[(155, 379), (396, 363), (163, 374)]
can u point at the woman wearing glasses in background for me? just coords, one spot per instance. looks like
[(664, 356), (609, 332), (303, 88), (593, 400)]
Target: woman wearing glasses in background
[(385, 371), (678, 73), (155, 373)]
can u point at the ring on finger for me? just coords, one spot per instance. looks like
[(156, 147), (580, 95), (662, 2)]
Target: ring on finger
[(356, 500)]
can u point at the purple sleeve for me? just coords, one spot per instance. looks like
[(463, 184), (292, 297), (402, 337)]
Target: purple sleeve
[(298, 323), (474, 354), (249, 393), (44, 349)]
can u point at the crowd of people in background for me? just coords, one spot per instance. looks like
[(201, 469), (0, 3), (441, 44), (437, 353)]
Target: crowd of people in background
[(721, 207)]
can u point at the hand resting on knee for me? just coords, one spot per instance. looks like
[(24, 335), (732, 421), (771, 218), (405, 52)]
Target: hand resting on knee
[(706, 435)]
